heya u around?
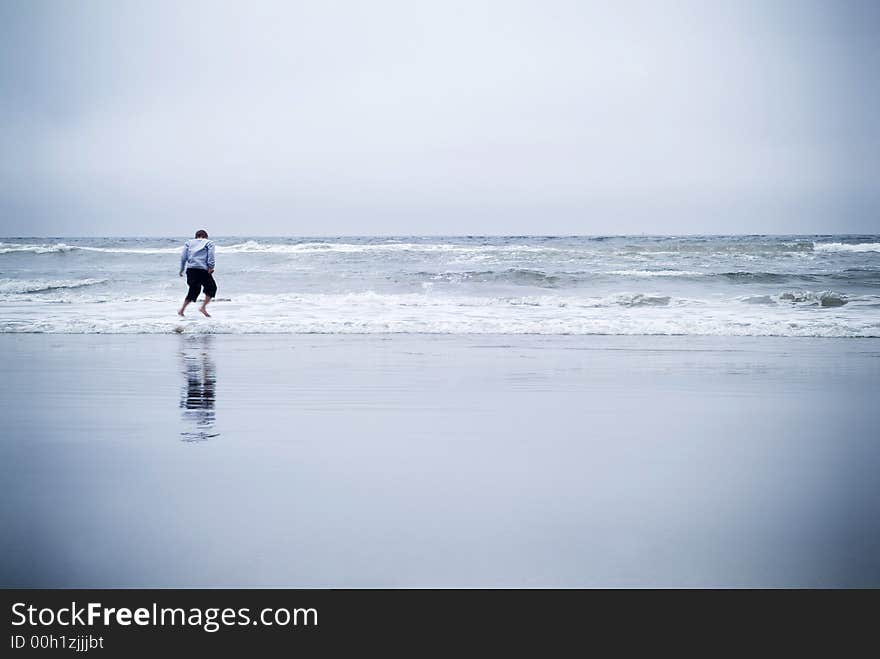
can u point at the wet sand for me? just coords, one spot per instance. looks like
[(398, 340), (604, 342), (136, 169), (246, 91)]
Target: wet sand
[(415, 460)]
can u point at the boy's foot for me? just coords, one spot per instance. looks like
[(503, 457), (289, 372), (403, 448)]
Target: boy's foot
[(180, 312), (204, 311)]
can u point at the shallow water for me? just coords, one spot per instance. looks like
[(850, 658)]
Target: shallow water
[(439, 461), (618, 285)]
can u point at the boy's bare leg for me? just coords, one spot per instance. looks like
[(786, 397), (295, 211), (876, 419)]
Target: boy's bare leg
[(205, 304), (185, 303)]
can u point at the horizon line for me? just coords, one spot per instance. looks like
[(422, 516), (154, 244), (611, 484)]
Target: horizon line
[(460, 235)]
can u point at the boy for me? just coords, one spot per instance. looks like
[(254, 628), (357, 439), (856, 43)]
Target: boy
[(198, 259)]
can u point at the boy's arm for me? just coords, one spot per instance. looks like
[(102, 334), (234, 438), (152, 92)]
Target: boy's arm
[(210, 247), (183, 256)]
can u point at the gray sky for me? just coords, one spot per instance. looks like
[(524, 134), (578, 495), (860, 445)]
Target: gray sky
[(442, 117)]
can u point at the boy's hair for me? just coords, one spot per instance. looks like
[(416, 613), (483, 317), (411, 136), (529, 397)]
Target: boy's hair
[(201, 233)]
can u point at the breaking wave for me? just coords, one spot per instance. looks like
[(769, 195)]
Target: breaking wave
[(846, 247), (61, 248), (19, 286), (14, 248)]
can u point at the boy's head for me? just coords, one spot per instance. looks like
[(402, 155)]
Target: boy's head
[(201, 233)]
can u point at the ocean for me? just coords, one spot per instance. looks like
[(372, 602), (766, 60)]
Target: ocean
[(819, 286)]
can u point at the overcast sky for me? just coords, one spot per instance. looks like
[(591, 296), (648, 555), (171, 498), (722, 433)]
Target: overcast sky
[(442, 117)]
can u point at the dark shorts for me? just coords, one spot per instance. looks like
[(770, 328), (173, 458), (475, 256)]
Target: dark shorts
[(196, 279)]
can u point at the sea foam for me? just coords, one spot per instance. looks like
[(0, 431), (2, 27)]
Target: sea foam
[(846, 247)]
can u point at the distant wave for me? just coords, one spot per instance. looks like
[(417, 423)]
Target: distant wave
[(511, 275), (851, 275), (60, 248), (846, 247), (750, 277), (533, 277), (12, 248), (654, 273), (652, 249), (19, 286), (557, 279), (722, 246), (862, 276), (253, 246)]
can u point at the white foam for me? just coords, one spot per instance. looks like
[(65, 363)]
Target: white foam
[(846, 247), (12, 248), (54, 248), (376, 313)]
